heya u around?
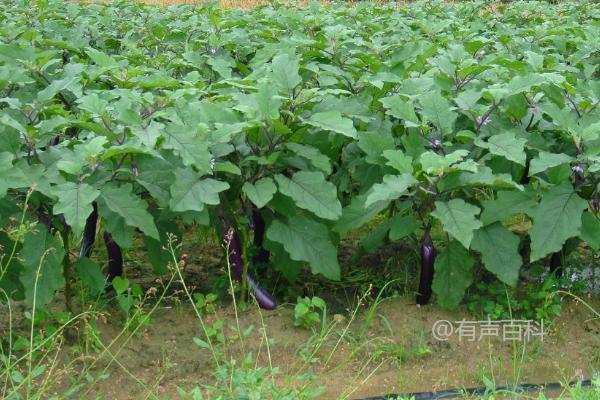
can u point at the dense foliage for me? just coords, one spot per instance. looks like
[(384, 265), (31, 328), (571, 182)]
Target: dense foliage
[(442, 116)]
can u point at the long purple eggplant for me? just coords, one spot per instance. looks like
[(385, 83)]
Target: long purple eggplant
[(236, 263), (262, 255), (556, 263), (115, 257), (44, 219), (427, 261), (89, 233)]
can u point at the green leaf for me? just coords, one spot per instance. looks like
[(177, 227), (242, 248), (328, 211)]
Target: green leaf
[(438, 111), (191, 147), (356, 214), (458, 219), (399, 161), (190, 192), (508, 203), (590, 230), (42, 273), (334, 122), (285, 71), (434, 164), (120, 284), (91, 275), (453, 274), (262, 105), (316, 158), (374, 145), (546, 160), (307, 240), (75, 202), (499, 250), (523, 83), (556, 219), (12, 177), (116, 225), (261, 192), (403, 226), (398, 108), (122, 201), (312, 192), (392, 187), (505, 145), (201, 343)]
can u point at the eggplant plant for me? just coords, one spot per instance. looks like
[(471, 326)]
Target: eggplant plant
[(285, 128)]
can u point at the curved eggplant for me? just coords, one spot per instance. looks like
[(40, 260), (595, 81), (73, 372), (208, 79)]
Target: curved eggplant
[(115, 257), (236, 264), (556, 264), (89, 233), (44, 219), (427, 262), (263, 298), (262, 255)]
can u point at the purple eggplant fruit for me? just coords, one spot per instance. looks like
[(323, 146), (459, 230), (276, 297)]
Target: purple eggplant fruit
[(115, 257), (556, 264), (264, 298), (427, 262), (44, 219), (89, 233), (236, 264), (262, 255)]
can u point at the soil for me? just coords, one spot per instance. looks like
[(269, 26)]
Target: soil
[(166, 358)]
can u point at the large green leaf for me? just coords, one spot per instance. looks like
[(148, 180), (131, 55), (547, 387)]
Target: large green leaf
[(507, 203), (285, 71), (453, 274), (590, 230), (546, 160), (261, 192), (307, 240), (91, 275), (122, 201), (556, 219), (499, 250), (505, 145), (438, 111), (458, 219), (75, 202), (356, 214), (42, 274), (334, 122), (316, 158), (191, 147), (312, 192), (392, 187), (12, 177), (190, 192), (398, 108)]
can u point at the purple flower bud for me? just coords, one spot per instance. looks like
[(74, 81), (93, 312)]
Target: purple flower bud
[(435, 143), (212, 163), (578, 169), (483, 120)]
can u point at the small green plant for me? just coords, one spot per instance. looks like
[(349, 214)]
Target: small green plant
[(530, 301), (243, 380), (305, 314), (206, 303), (129, 297)]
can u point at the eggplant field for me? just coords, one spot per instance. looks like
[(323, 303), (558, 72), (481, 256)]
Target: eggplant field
[(331, 200)]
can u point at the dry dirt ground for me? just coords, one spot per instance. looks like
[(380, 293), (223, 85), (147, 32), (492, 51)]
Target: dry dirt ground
[(165, 357)]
